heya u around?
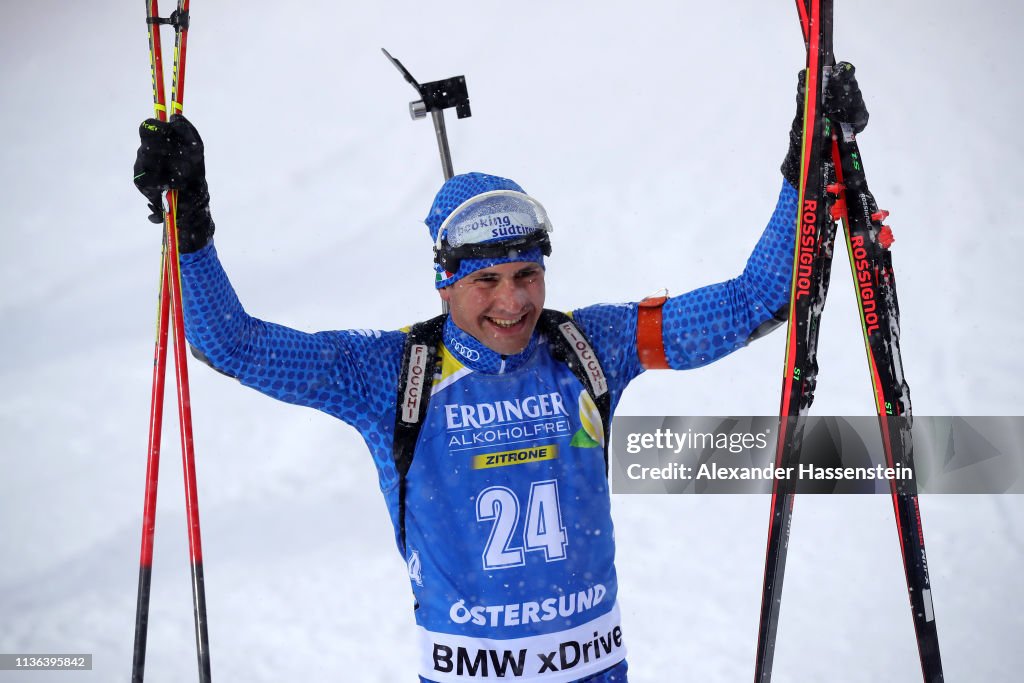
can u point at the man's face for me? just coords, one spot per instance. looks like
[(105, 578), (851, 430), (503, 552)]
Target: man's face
[(499, 305)]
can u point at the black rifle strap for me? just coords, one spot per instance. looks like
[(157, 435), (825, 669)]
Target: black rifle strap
[(569, 345), (415, 382)]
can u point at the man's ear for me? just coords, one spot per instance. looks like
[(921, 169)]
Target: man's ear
[(445, 294)]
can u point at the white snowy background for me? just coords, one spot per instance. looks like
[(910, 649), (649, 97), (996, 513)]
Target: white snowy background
[(653, 132)]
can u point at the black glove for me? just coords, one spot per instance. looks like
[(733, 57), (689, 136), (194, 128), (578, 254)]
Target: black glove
[(170, 157), (843, 103)]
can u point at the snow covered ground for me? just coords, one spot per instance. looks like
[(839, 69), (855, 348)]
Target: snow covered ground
[(652, 132)]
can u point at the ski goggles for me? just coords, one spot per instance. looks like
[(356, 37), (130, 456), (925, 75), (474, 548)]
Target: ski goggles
[(496, 224)]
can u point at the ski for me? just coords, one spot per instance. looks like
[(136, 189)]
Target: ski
[(867, 239), (812, 258), (170, 314)]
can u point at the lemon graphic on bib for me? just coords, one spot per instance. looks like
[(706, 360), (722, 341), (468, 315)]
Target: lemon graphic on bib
[(592, 434)]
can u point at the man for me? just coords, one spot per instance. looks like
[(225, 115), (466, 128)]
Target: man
[(488, 426)]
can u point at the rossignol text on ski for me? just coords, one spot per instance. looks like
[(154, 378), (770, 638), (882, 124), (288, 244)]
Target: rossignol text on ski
[(833, 187)]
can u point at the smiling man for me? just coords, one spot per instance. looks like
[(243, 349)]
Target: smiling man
[(488, 258), (499, 305), (488, 425)]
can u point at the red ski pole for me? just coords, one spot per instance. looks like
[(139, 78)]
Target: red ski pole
[(170, 310)]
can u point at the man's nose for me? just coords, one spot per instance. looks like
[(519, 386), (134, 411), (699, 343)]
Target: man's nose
[(511, 295)]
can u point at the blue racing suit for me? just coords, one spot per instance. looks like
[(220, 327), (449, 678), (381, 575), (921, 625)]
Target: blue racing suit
[(509, 539)]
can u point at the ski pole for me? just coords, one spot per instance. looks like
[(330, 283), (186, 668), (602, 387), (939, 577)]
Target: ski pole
[(170, 310), (156, 409), (157, 396)]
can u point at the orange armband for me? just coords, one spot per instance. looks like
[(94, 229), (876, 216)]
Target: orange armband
[(650, 345)]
